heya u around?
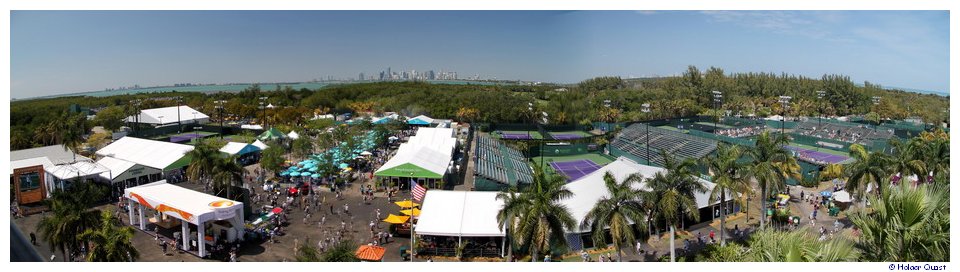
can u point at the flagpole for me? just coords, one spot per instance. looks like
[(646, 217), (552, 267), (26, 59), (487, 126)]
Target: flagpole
[(412, 236)]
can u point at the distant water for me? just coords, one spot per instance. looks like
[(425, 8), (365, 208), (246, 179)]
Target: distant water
[(241, 87)]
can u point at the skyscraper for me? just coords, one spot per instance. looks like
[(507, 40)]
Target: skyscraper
[(361, 77)]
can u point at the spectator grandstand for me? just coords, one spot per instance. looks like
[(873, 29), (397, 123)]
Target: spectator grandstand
[(741, 132), (499, 166), (633, 138), (858, 134)]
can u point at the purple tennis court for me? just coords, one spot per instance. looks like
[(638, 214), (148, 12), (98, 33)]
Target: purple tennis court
[(817, 156), (575, 169), (515, 136)]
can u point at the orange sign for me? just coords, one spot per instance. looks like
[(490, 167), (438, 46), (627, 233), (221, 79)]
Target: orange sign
[(221, 204)]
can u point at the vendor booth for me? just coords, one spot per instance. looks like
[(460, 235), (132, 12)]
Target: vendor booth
[(217, 220), (450, 219), (246, 153)]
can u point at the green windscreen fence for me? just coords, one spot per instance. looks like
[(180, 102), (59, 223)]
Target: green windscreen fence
[(778, 124), (561, 150)]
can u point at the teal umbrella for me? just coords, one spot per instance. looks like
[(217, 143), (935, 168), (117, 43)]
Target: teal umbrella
[(315, 176)]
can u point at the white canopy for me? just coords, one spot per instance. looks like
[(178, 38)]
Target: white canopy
[(260, 144), (47, 164), (460, 213), (251, 126), (116, 166), (189, 205), (430, 149), (293, 135), (168, 115), (842, 196), (589, 189), (77, 169), (149, 153)]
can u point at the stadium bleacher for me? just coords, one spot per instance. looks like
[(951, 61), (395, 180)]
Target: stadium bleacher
[(858, 134), (633, 139), (497, 162)]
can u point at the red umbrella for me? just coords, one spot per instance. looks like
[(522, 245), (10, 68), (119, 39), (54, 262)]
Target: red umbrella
[(277, 210), (293, 190)]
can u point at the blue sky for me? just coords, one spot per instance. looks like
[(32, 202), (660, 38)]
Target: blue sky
[(55, 52)]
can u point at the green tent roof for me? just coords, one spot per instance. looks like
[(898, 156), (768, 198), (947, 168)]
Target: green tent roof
[(408, 170), (271, 134)]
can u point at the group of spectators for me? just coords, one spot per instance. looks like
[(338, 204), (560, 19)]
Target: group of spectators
[(850, 134), (741, 132)]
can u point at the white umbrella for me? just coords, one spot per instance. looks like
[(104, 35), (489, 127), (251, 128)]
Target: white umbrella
[(842, 196), (366, 153)]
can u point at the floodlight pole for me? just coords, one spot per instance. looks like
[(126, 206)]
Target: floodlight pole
[(717, 98), (220, 107), (784, 103), (876, 102), (820, 95), (179, 122), (646, 110)]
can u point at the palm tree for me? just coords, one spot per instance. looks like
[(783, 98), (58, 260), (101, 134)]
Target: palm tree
[(508, 216), (907, 158), (936, 156), (340, 252), (869, 167), (202, 160), (308, 253), (541, 220), (675, 192), (620, 213), (771, 165), (798, 246), (70, 216), (907, 224), (226, 174), (111, 242), (728, 178), (69, 131)]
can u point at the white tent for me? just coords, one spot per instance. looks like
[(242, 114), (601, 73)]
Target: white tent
[(460, 214), (260, 144), (234, 148), (116, 166), (187, 205), (842, 196), (155, 154), (168, 115), (77, 169), (251, 126), (293, 135), (431, 149), (589, 189), (47, 164)]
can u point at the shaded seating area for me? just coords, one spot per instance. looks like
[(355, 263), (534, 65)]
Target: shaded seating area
[(451, 220)]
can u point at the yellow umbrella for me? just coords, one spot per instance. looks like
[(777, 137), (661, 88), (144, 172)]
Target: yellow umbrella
[(413, 212), (396, 219), (406, 204)]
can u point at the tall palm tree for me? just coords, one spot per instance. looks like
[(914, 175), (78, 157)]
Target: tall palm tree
[(202, 160), (798, 246), (111, 242), (936, 156), (508, 216), (69, 131), (674, 191), (541, 219), (728, 174), (906, 224), (869, 167), (770, 166), (226, 174), (621, 212), (70, 216), (907, 158)]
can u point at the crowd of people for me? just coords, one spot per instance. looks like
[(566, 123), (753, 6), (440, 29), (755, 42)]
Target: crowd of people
[(740, 132), (860, 134)]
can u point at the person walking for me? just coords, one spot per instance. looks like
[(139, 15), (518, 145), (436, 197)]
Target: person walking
[(33, 238)]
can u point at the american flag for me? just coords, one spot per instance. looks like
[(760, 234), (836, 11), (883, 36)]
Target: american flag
[(418, 191)]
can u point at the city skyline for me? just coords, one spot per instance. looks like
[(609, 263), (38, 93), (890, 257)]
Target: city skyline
[(58, 52)]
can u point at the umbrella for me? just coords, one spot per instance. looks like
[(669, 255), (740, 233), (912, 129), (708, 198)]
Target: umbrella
[(294, 168), (277, 210), (284, 173), (302, 163), (394, 138), (314, 169), (293, 190), (413, 212), (396, 219), (370, 253), (406, 204), (826, 193), (295, 174), (842, 196), (315, 176), (344, 165)]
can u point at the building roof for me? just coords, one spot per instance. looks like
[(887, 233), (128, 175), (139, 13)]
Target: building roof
[(420, 120), (116, 167), (589, 189), (260, 145), (271, 134), (183, 203), (370, 253), (293, 135), (460, 213), (168, 115), (55, 153), (47, 164), (145, 152)]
